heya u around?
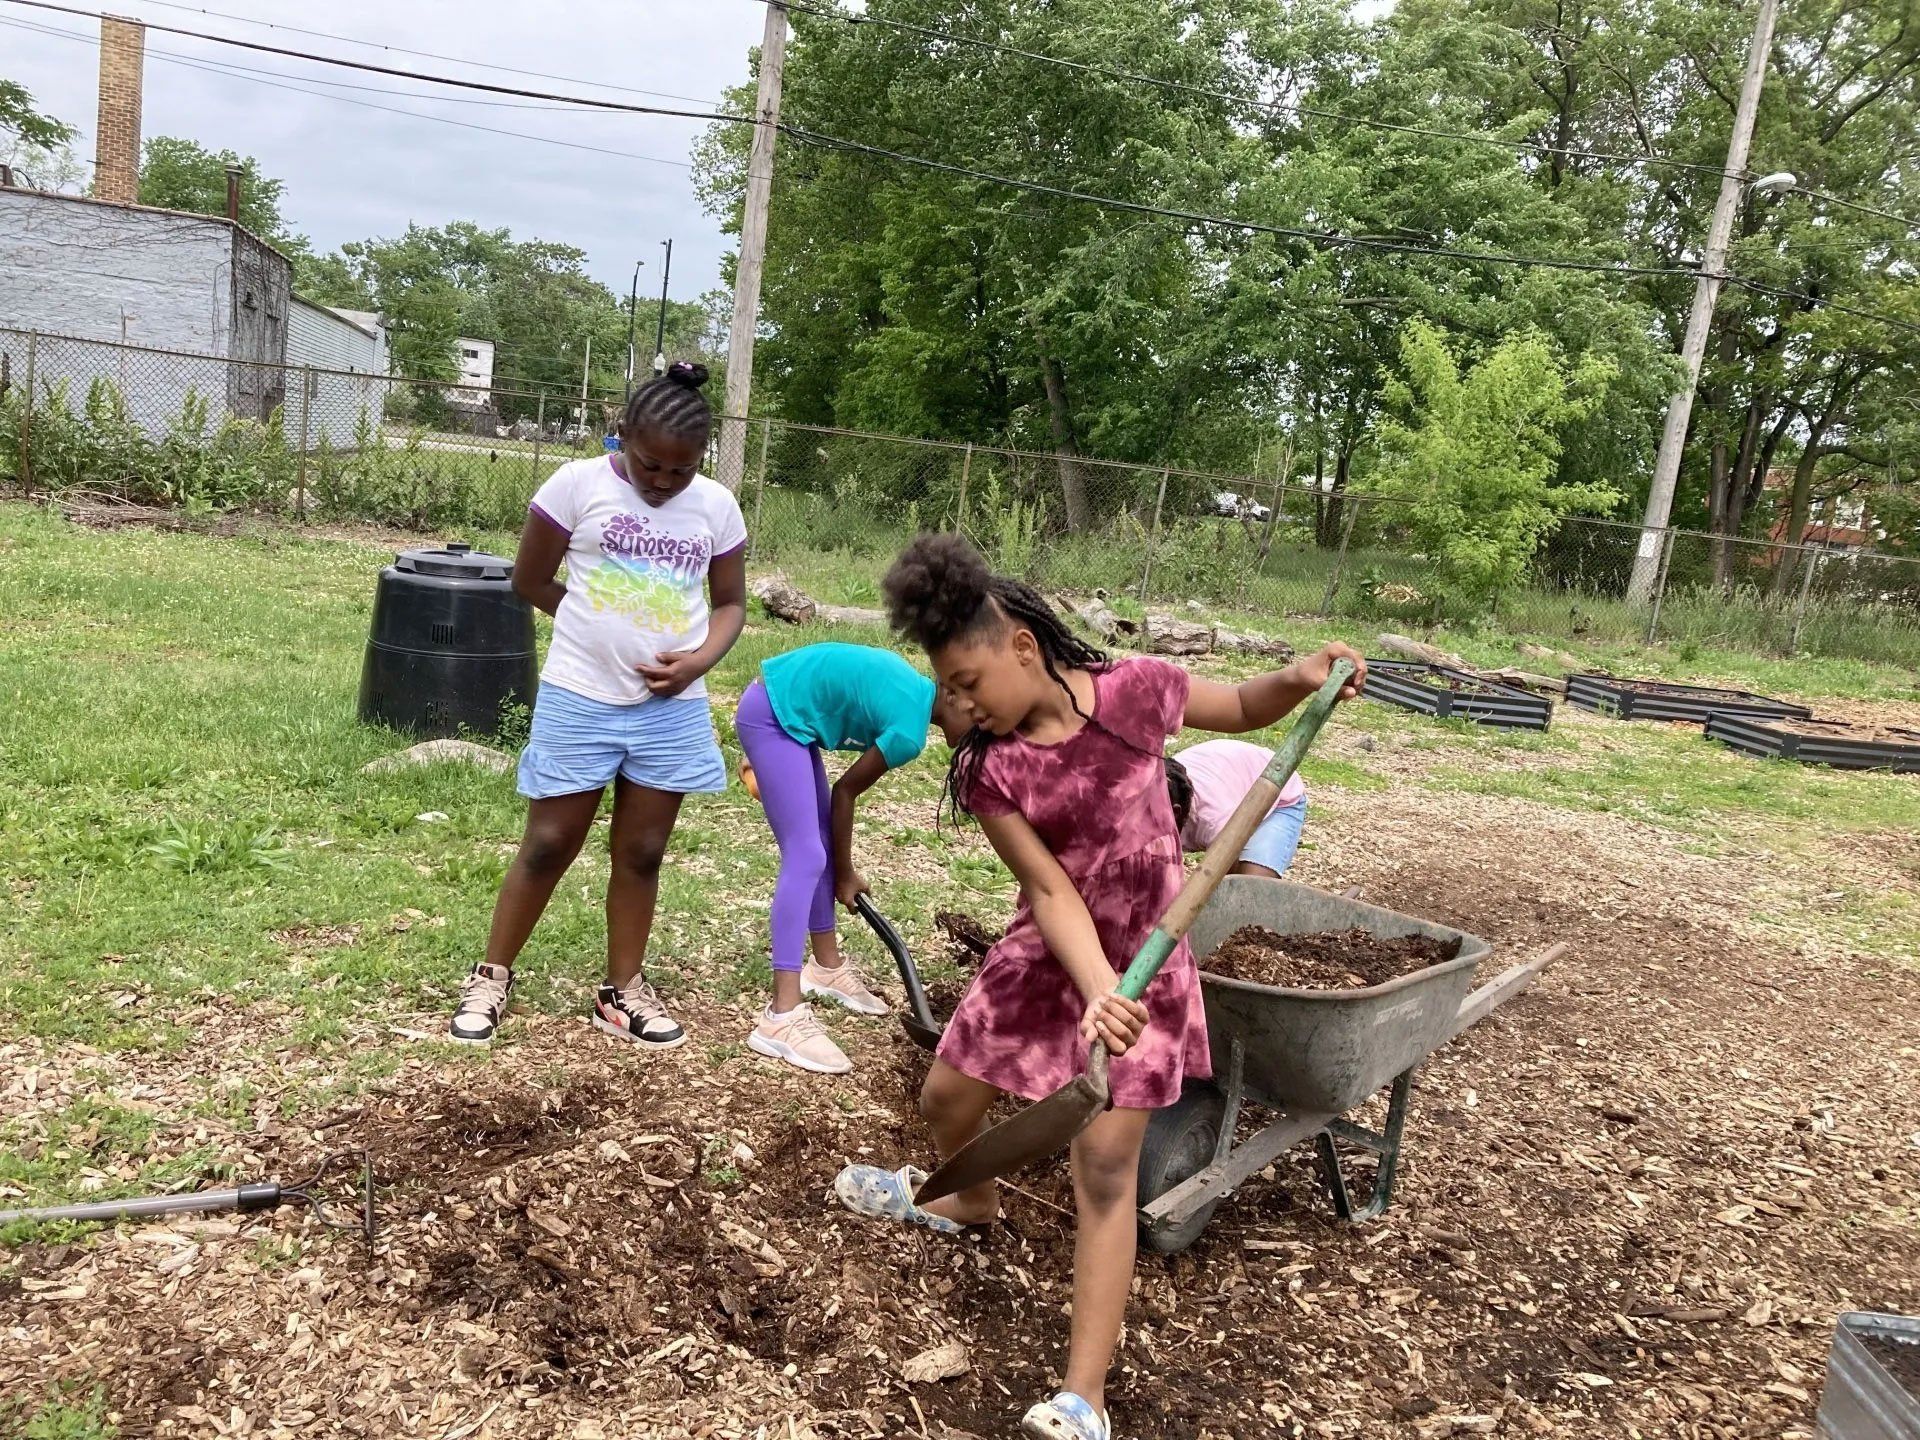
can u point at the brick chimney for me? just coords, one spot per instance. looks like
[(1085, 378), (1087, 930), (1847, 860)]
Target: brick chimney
[(116, 155)]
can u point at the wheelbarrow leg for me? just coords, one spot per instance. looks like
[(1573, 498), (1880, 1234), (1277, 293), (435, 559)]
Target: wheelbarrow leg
[(1236, 1080), (1383, 1143)]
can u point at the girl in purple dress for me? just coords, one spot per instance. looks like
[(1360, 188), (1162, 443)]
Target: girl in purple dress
[(1064, 771)]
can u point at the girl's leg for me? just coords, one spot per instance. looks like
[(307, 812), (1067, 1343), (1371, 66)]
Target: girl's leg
[(954, 1106), (821, 931), (1106, 1168), (642, 825), (786, 771), (555, 831)]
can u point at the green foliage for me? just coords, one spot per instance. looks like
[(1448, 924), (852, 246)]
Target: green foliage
[(1473, 455), (19, 117), (63, 1418), (179, 174), (199, 847)]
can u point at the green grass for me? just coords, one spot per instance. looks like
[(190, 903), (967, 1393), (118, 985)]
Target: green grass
[(186, 836), (68, 1414)]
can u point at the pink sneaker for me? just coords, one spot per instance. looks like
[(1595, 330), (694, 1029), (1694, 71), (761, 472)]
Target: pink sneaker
[(798, 1039), (842, 985)]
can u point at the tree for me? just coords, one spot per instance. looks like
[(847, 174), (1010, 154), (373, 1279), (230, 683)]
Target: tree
[(20, 119), (1788, 380), (177, 174), (37, 146), (1472, 453)]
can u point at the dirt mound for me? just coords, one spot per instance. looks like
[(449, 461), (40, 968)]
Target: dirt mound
[(1331, 960)]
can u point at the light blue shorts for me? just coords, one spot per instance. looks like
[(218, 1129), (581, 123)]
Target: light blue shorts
[(1274, 843), (580, 744)]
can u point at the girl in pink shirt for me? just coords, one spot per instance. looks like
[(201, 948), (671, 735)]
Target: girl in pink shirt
[(1207, 781)]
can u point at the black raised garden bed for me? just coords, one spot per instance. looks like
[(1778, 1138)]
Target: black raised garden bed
[(1448, 694), (1819, 742), (1664, 700)]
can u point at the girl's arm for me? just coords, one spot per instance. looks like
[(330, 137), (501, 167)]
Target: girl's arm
[(673, 670), (543, 545), (1068, 930), (855, 781), (1257, 703)]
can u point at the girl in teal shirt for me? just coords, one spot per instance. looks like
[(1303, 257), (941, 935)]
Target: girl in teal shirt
[(825, 697)]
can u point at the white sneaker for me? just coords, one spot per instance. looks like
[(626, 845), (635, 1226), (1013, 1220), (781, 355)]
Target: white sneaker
[(483, 1000), (798, 1039), (842, 985)]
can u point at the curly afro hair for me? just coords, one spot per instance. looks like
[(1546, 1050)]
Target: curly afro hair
[(939, 589)]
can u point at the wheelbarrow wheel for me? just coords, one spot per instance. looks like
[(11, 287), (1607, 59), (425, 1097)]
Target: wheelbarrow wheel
[(1180, 1142)]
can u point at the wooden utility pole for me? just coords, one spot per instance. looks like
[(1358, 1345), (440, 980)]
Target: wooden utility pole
[(1706, 292), (753, 250)]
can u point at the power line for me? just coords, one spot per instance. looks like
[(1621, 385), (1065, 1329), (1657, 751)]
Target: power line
[(1906, 220), (429, 54), (1822, 303), (1326, 239), (579, 101), (241, 72), (1310, 111)]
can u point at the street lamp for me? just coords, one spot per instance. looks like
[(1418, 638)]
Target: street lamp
[(1778, 183), (660, 327), (633, 297)]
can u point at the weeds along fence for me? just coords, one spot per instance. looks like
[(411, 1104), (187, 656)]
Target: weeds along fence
[(87, 419)]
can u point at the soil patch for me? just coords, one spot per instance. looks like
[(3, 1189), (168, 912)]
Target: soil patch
[(1900, 1359), (1330, 960), (968, 939), (1843, 730)]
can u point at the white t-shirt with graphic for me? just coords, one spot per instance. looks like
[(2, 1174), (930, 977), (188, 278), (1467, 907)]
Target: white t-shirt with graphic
[(636, 576)]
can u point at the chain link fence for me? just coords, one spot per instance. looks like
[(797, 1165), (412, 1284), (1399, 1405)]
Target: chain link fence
[(86, 420)]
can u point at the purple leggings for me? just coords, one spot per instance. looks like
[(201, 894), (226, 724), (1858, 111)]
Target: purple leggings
[(793, 788)]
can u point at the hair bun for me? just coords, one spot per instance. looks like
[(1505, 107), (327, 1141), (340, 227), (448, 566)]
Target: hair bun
[(934, 591), (689, 373)]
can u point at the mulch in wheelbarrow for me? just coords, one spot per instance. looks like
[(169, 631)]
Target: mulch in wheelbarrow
[(1328, 960)]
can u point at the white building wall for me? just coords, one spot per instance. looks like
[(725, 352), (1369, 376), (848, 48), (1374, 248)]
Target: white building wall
[(339, 404)]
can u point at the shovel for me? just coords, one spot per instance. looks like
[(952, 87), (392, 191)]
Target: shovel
[(1045, 1128), (919, 1023)]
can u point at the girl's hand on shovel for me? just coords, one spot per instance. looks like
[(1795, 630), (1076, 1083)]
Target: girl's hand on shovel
[(1114, 1019)]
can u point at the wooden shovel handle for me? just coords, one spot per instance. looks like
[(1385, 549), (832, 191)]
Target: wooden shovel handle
[(1224, 853)]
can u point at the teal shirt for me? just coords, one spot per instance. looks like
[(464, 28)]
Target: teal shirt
[(851, 697)]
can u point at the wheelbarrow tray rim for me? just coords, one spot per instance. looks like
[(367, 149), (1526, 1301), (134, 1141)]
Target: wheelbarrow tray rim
[(1473, 950)]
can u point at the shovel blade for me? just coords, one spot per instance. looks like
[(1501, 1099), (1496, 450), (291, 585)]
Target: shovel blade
[(927, 1037), (1038, 1131)]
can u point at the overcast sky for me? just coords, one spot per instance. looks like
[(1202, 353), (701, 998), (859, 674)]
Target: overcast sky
[(351, 172)]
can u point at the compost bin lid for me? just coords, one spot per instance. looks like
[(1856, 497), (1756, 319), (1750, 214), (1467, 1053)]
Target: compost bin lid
[(462, 561)]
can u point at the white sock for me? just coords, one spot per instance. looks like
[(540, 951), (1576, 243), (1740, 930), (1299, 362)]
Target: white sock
[(780, 1017)]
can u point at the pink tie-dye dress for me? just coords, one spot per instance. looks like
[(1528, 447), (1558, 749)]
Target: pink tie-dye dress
[(1098, 799)]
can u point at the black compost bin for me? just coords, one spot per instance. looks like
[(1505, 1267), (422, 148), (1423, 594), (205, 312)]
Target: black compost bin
[(451, 644)]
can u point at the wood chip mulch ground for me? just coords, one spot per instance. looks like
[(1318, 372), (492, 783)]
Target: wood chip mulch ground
[(1632, 1204)]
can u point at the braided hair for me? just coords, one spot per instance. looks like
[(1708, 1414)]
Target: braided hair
[(1179, 793), (940, 590), (672, 405)]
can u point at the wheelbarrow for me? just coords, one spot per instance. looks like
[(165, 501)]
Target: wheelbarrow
[(1312, 1055)]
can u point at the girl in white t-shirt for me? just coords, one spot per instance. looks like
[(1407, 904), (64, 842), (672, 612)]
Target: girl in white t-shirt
[(655, 595)]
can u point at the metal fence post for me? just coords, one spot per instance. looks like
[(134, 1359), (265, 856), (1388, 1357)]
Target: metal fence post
[(1812, 563), (1153, 540), (1660, 584), (306, 417), (966, 473), (760, 481), (539, 433), (1340, 559), (26, 419)]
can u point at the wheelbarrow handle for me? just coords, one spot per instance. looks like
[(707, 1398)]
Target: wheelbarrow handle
[(909, 973), (1225, 850)]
